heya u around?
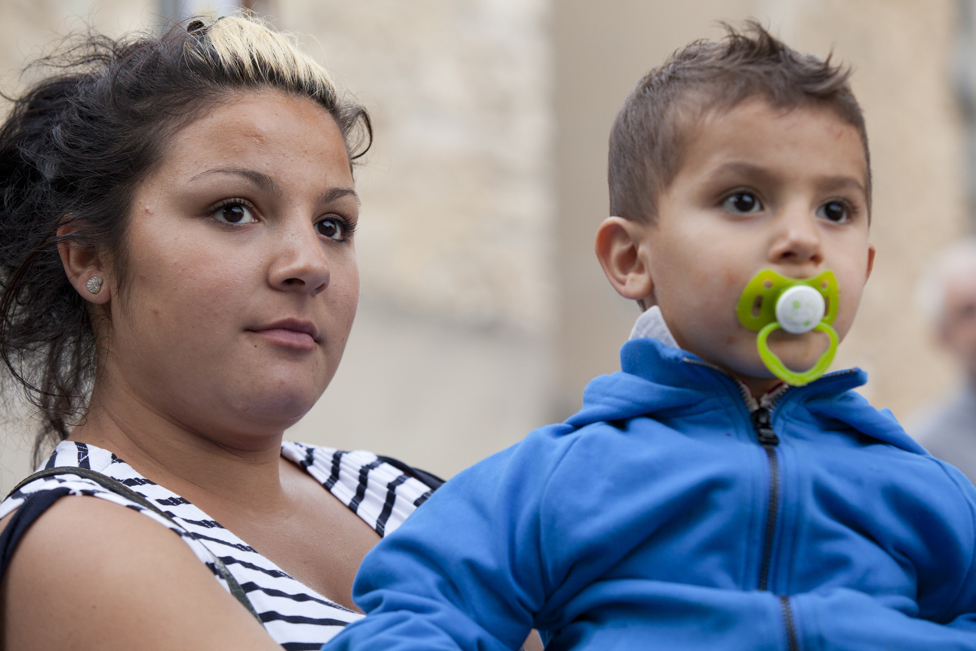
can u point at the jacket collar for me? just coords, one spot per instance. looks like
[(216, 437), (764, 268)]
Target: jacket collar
[(656, 377)]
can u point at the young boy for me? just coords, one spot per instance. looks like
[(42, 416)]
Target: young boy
[(677, 510)]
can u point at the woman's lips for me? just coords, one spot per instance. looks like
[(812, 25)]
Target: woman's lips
[(291, 333)]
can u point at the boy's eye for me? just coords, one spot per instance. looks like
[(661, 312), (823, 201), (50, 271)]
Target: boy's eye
[(234, 213), (333, 229), (742, 202), (834, 211)]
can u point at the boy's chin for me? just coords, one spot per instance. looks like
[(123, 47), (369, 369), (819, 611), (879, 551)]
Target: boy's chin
[(798, 353), (757, 377)]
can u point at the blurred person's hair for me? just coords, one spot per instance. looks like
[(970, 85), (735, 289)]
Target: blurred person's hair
[(930, 292), (75, 147), (657, 120)]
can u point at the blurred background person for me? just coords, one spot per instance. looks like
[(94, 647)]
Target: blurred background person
[(484, 311), (947, 295)]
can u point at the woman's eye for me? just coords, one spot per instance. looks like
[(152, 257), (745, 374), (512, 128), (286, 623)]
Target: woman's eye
[(834, 211), (234, 213), (742, 202), (332, 229)]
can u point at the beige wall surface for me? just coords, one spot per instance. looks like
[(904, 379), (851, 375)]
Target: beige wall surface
[(601, 52), (27, 29), (902, 55), (447, 362), (484, 311)]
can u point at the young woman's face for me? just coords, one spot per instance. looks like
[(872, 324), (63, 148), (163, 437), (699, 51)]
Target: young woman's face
[(242, 282)]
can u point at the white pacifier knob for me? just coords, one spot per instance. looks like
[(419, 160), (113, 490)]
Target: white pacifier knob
[(799, 309)]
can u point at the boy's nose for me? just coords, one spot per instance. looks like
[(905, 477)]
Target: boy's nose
[(797, 239)]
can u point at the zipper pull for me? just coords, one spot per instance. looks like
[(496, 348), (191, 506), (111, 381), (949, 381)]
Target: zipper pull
[(762, 423)]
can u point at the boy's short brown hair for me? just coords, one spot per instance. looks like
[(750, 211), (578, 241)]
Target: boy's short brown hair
[(651, 131)]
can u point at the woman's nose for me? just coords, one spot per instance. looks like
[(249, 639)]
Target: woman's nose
[(301, 263)]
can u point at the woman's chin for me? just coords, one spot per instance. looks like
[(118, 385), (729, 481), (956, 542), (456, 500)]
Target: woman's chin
[(274, 411)]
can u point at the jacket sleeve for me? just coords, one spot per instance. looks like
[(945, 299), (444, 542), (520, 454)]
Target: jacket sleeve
[(465, 570), (846, 620), (943, 616)]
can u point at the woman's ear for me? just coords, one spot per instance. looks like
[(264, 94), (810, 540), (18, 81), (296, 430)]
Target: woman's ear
[(84, 268), (620, 248)]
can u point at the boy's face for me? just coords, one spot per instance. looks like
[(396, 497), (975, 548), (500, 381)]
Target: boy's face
[(758, 188)]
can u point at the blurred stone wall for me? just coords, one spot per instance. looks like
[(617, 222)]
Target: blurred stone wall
[(447, 361), (902, 53), (27, 29), (484, 311)]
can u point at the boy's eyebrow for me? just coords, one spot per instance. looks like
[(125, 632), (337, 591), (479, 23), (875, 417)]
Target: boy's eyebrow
[(841, 183), (826, 183), (746, 169)]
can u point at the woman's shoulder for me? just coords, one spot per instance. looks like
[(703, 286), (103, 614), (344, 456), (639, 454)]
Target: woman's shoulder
[(77, 469), (69, 471), (381, 490), (85, 470), (141, 569)]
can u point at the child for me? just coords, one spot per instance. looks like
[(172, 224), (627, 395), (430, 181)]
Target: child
[(677, 510)]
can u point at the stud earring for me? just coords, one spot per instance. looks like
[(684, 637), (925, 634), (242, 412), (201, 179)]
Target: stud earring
[(94, 284)]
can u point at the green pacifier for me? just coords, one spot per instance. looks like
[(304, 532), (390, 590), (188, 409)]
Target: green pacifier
[(772, 301)]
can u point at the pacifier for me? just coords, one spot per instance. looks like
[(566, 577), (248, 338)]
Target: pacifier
[(772, 301)]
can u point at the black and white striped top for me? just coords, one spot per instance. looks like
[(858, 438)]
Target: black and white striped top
[(382, 491)]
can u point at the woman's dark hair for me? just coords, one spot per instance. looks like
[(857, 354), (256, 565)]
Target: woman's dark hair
[(73, 150)]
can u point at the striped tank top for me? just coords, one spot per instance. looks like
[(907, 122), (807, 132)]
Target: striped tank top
[(380, 490)]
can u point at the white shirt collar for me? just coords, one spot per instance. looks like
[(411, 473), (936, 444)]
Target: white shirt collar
[(651, 324)]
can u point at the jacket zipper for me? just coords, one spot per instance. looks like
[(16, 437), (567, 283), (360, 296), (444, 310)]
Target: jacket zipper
[(792, 641), (762, 423), (760, 415)]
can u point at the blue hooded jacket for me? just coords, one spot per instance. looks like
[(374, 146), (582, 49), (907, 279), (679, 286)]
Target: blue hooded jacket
[(667, 515)]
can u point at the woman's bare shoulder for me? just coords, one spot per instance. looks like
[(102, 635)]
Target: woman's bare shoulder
[(91, 574)]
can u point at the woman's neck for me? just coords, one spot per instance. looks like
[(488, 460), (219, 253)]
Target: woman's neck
[(215, 470)]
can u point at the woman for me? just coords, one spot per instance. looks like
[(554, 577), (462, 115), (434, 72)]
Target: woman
[(178, 218)]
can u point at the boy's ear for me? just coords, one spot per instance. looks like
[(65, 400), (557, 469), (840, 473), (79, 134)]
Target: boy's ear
[(621, 249), (81, 266)]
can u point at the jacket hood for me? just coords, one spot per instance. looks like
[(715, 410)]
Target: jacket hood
[(657, 378)]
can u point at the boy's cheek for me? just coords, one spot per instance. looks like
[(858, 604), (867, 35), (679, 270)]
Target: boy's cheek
[(736, 351), (850, 300)]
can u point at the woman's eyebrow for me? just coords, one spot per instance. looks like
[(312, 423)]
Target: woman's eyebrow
[(337, 193), (263, 181), (269, 185)]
